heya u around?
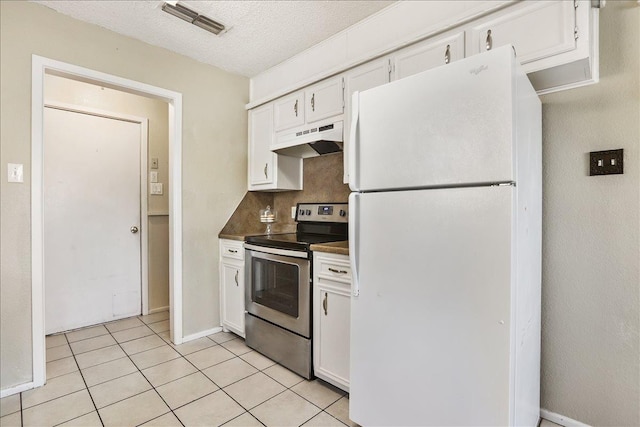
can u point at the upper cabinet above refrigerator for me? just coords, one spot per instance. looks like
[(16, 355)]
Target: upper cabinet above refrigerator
[(464, 113)]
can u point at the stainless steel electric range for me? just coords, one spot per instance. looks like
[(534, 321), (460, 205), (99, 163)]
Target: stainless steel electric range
[(278, 292)]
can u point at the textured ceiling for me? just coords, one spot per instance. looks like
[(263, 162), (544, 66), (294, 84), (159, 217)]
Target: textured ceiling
[(261, 35)]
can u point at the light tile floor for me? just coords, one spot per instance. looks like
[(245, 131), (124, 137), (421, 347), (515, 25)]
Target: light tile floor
[(127, 373)]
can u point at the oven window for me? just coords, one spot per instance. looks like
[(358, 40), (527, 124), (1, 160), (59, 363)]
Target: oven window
[(275, 285)]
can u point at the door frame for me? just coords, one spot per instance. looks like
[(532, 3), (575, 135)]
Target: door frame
[(39, 67), (144, 220)]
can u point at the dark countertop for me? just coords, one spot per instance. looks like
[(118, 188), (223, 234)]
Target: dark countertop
[(241, 237), (341, 248)]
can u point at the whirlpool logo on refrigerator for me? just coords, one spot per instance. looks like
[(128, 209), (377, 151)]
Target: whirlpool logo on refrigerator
[(476, 71)]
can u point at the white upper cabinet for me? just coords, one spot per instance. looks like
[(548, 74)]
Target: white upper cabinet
[(536, 30), (555, 40), (267, 170), (289, 111), (428, 54), (366, 76), (324, 100), (261, 159)]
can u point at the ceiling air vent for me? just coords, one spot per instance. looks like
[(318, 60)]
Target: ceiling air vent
[(193, 17)]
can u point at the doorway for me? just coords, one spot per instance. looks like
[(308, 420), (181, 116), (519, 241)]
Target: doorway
[(40, 68), (94, 205)]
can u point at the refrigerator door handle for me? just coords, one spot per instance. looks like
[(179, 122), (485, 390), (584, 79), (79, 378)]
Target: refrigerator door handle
[(353, 139), (353, 241)]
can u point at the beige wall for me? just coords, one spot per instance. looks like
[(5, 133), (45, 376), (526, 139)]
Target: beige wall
[(66, 91), (214, 158), (591, 257)]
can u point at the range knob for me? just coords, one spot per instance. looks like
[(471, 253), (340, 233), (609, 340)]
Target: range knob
[(342, 213), (301, 212), (308, 212)]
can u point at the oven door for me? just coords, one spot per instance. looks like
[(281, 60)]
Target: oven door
[(279, 287)]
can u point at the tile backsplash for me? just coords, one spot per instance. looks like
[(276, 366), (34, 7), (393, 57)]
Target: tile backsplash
[(322, 182)]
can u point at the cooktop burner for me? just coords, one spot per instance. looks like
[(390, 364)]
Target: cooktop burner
[(317, 223)]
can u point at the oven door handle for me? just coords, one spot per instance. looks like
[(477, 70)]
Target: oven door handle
[(276, 251)]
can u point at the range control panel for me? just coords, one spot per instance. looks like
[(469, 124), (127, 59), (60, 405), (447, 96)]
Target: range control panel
[(322, 212)]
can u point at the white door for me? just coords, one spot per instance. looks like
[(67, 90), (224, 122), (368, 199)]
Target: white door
[(91, 202), (431, 325)]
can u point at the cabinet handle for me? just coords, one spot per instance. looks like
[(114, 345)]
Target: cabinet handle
[(333, 270), (324, 303), (265, 171), (447, 55), (233, 251), (313, 102), (295, 108), (236, 278), (489, 41)]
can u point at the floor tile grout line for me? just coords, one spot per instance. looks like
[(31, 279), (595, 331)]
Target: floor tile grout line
[(152, 387), (246, 412), (86, 386), (54, 398), (184, 356), (68, 343), (220, 388)]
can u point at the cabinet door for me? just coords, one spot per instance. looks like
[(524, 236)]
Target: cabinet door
[(324, 100), (289, 111), (366, 76), (428, 54), (233, 296), (332, 334), (261, 159), (535, 29)]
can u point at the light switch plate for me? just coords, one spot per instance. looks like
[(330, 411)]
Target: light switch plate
[(153, 176), (156, 188), (609, 162), (15, 172)]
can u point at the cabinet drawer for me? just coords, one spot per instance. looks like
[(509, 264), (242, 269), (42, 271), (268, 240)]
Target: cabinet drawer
[(231, 249), (330, 269)]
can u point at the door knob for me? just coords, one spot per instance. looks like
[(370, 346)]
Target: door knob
[(134, 229)]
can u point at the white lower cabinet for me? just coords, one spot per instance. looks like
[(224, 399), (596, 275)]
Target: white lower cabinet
[(331, 318), (232, 286)]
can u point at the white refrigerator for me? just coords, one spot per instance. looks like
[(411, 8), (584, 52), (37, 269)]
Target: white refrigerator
[(445, 242)]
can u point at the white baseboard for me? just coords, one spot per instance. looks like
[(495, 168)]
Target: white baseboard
[(561, 419), (158, 310), (17, 389), (201, 334)]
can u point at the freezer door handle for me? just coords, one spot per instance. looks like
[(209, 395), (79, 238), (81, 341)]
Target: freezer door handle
[(353, 139), (354, 223)]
